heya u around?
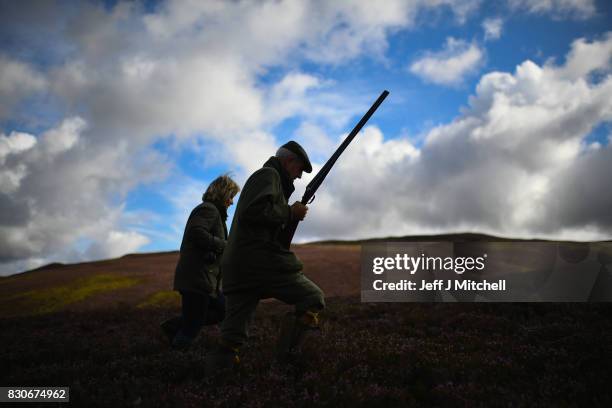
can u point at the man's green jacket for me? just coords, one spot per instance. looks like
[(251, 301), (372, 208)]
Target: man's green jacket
[(254, 256)]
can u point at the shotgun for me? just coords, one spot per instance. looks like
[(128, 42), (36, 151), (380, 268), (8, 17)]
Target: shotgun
[(286, 234)]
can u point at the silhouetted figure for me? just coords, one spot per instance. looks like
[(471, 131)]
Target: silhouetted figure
[(256, 265), (198, 276)]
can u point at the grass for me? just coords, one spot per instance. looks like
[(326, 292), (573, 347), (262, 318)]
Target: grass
[(383, 354), (48, 300), (164, 298)]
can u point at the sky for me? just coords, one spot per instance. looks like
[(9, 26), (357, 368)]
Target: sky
[(115, 117)]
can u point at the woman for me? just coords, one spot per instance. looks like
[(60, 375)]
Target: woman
[(197, 276)]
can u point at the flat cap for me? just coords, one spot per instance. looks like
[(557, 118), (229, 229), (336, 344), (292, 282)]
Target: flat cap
[(300, 152)]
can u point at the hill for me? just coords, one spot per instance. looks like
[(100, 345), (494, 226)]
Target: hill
[(145, 280), (95, 328)]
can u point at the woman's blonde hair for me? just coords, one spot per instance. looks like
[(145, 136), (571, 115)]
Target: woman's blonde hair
[(221, 189)]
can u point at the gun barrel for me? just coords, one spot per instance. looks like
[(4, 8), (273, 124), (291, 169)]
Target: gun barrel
[(289, 230), (320, 176)]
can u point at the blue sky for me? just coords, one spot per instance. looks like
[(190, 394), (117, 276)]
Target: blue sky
[(115, 116)]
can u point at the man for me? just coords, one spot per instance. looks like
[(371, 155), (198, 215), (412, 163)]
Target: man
[(257, 266)]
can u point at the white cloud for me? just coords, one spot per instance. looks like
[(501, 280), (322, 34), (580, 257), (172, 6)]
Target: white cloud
[(579, 9), (115, 244), (56, 191), (15, 143), (451, 65), (184, 67), (588, 57), (17, 81), (64, 137), (318, 141), (514, 163), (358, 196), (492, 28), (251, 150), (288, 97)]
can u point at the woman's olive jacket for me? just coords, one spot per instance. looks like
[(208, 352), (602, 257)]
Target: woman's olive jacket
[(203, 242)]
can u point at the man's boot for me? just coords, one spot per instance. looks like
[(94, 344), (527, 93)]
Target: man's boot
[(294, 330)]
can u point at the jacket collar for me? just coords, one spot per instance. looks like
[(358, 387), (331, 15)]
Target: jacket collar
[(286, 182), (221, 208)]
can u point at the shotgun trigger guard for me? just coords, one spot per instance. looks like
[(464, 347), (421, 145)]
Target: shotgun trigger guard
[(311, 200)]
